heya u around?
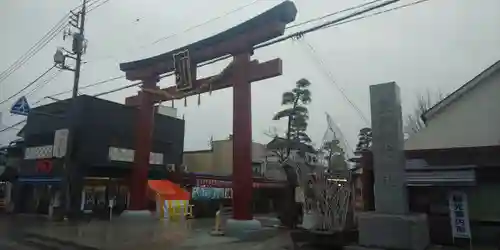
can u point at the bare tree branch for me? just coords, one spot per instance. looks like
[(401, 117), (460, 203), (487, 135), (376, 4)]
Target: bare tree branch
[(425, 101)]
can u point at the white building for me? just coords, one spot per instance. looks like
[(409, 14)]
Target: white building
[(469, 117), (459, 150)]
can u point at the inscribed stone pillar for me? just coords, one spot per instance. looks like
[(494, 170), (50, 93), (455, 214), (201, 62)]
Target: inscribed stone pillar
[(388, 149), (390, 226)]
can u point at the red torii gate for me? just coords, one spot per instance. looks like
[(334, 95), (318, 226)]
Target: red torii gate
[(237, 42)]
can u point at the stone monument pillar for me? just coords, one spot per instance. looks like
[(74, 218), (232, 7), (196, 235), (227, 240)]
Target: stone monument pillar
[(391, 226)]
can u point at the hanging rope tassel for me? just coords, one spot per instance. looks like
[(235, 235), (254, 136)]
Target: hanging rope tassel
[(210, 89), (199, 99), (185, 102)]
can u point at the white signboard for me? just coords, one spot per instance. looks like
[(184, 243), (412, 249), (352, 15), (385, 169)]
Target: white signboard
[(60, 143), (299, 195), (40, 152), (167, 111), (127, 155), (459, 215)]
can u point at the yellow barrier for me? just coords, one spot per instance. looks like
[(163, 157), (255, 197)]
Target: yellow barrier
[(175, 209)]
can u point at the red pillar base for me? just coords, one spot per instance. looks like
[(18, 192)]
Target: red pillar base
[(238, 228)]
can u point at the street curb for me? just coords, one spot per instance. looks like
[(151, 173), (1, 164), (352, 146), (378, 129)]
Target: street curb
[(59, 241)]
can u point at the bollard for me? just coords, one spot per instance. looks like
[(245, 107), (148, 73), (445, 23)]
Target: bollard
[(189, 214), (171, 212), (217, 228), (160, 206)]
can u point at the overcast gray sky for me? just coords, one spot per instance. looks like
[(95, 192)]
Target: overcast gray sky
[(437, 45)]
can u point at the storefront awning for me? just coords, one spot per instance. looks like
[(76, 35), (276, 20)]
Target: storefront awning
[(420, 173), (465, 177), (168, 190), (39, 180)]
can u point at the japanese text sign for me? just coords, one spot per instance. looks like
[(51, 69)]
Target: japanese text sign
[(459, 216)]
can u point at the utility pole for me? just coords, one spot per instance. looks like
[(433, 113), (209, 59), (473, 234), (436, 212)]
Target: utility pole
[(77, 20)]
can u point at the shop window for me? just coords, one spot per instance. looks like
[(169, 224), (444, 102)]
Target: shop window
[(94, 197), (257, 169)]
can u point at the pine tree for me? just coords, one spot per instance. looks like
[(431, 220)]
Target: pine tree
[(296, 112), (364, 141)]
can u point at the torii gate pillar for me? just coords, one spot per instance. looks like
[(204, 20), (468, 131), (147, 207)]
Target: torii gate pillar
[(143, 145), (242, 141)]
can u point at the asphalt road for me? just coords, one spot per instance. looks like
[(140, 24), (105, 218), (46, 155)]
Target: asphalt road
[(14, 235), (29, 233)]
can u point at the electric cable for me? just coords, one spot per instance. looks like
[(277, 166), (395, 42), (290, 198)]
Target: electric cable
[(91, 85), (97, 6), (328, 74), (379, 12), (13, 126), (39, 45), (161, 39), (27, 86), (333, 23), (330, 14), (43, 84), (207, 22)]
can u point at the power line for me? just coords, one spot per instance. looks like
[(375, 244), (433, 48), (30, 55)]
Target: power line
[(31, 92), (346, 19), (49, 36), (13, 126), (39, 45), (336, 22), (331, 14), (44, 83), (157, 41), (89, 4), (118, 89), (97, 6), (272, 42), (324, 25), (197, 26), (27, 86), (381, 12), (207, 22), (188, 29), (322, 66), (330, 24), (304, 32), (332, 126), (91, 85)]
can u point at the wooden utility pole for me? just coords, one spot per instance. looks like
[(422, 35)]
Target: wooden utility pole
[(68, 185)]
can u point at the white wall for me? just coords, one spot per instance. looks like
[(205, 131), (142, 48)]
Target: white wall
[(472, 120), (167, 111), (222, 156)]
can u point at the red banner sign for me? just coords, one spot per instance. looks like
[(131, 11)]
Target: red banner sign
[(44, 166)]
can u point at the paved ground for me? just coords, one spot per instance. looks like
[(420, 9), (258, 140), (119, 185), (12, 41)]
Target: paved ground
[(31, 233), (20, 232)]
